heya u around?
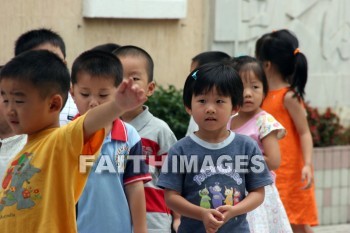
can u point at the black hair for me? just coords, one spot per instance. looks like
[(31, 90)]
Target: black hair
[(220, 75), (43, 69), (108, 47), (98, 63), (248, 63), (210, 56), (281, 49), (34, 38), (130, 50)]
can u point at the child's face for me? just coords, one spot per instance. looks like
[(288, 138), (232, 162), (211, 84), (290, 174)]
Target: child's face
[(4, 126), (211, 111), (24, 109), (135, 68), (253, 93), (91, 91)]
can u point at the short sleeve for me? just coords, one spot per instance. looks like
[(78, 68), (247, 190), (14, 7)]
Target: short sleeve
[(140, 172), (170, 178), (266, 124)]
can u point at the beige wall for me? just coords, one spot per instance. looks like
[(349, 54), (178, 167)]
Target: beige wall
[(171, 43)]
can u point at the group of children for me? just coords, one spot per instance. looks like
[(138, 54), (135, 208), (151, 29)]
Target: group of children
[(251, 137)]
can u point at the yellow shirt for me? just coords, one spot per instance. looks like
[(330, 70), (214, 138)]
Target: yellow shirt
[(42, 183)]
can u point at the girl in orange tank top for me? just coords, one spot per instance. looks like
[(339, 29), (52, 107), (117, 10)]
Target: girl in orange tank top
[(286, 71)]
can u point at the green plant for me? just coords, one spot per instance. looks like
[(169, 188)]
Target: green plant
[(325, 128), (166, 104)]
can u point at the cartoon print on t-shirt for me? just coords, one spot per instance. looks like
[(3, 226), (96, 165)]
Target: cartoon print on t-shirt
[(16, 184), (236, 196), (217, 196), (229, 194), (205, 199)]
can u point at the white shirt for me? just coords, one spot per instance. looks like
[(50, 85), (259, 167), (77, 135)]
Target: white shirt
[(68, 112), (10, 147)]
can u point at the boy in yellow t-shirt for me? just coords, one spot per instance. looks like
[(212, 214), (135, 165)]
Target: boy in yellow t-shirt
[(43, 182)]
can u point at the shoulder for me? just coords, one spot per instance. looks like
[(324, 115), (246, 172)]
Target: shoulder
[(161, 128), (183, 144), (243, 140), (132, 134), (292, 101), (131, 131)]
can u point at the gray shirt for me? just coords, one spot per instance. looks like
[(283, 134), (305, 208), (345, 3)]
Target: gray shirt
[(214, 174)]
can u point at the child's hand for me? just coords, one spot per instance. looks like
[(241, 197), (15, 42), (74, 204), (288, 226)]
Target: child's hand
[(212, 220), (227, 211), (306, 175), (176, 224), (129, 96)]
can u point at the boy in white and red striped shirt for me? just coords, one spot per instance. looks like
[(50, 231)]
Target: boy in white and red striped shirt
[(156, 136)]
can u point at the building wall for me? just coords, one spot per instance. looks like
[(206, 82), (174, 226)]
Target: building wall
[(323, 30), (171, 42)]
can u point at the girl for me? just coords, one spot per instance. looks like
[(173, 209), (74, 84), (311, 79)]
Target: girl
[(286, 71), (270, 217), (214, 166)]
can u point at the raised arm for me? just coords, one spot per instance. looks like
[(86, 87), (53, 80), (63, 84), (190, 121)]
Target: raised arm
[(127, 97)]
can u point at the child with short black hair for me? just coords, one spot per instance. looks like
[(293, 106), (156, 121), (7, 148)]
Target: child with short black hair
[(156, 136), (116, 196), (45, 179), (199, 60), (214, 166), (47, 39), (107, 47)]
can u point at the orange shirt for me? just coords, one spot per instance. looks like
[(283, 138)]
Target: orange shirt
[(300, 204)]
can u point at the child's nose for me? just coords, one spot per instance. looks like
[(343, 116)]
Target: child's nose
[(247, 92), (93, 103), (210, 109)]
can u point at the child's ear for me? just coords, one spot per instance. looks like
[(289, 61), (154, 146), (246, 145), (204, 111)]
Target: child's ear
[(151, 88), (266, 65), (188, 110), (56, 103)]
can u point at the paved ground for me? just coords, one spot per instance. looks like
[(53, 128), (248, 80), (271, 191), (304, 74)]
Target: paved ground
[(332, 229)]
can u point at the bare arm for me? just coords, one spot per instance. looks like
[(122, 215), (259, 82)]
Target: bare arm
[(136, 198), (298, 114), (252, 201), (212, 219), (176, 221), (272, 153), (127, 97)]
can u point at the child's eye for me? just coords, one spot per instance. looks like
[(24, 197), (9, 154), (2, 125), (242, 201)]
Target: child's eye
[(220, 101), (201, 101), (84, 94), (135, 78), (19, 102), (104, 96), (5, 101)]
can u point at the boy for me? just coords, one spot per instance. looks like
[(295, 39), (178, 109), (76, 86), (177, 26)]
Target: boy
[(10, 144), (156, 135), (49, 40), (103, 206), (45, 180)]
